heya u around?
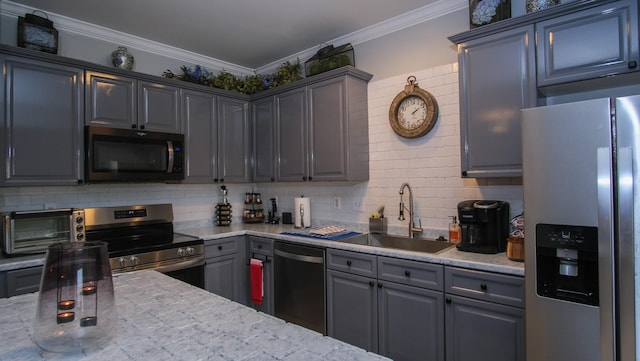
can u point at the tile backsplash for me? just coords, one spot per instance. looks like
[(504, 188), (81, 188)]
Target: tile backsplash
[(430, 164)]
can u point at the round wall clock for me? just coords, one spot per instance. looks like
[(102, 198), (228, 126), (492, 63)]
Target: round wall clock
[(414, 111)]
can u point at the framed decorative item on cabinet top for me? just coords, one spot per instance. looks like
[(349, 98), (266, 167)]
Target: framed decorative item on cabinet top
[(483, 12), (37, 33)]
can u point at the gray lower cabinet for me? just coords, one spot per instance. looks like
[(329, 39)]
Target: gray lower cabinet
[(42, 119), (261, 248), (20, 281), (390, 306), (485, 316), (225, 269), (497, 79), (597, 42)]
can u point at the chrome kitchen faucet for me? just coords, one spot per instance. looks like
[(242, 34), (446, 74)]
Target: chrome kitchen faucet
[(412, 228)]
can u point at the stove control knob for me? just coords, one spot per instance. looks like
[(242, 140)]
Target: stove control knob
[(122, 261), (181, 252), (191, 251), (134, 260)]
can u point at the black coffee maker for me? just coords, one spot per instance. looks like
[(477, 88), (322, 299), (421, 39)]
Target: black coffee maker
[(484, 225)]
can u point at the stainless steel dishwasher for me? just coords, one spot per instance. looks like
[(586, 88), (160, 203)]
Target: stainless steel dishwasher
[(299, 285)]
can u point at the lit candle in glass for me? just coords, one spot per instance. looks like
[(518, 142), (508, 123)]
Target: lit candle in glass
[(89, 289), (65, 317), (66, 304), (88, 321)]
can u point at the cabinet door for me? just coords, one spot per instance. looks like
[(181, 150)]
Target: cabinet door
[(159, 107), (201, 134), (43, 134), (292, 148), (267, 279), (234, 149), (496, 81), (483, 331), (352, 309), (597, 42), (328, 130), (110, 100), (25, 280), (411, 322), (264, 140), (220, 276)]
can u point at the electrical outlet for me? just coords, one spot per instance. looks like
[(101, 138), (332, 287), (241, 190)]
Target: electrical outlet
[(356, 205), (337, 203)]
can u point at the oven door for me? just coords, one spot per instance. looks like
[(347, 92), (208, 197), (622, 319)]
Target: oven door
[(133, 155), (192, 275)]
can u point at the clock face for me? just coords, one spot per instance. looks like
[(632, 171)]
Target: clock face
[(412, 113)]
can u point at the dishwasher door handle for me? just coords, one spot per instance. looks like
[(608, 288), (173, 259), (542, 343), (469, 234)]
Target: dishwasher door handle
[(299, 257)]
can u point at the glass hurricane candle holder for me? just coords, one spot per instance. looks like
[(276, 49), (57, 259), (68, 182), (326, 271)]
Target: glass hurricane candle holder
[(76, 306)]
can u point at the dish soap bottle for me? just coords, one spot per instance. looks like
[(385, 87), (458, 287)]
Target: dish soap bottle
[(454, 230)]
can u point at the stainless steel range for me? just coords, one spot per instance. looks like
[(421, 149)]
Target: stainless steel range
[(141, 237)]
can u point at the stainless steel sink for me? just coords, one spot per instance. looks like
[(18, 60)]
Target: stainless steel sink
[(399, 242)]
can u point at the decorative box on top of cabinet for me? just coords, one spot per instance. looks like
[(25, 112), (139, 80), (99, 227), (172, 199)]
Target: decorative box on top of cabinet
[(42, 110), (121, 102)]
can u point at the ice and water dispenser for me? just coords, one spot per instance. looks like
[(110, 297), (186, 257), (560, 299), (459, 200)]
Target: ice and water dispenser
[(567, 263)]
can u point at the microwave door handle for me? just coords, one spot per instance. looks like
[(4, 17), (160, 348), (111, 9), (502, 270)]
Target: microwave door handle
[(171, 152)]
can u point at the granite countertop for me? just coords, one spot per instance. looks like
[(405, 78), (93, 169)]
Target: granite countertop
[(483, 262), (161, 318)]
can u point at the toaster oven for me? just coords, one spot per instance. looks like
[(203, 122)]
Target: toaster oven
[(27, 232)]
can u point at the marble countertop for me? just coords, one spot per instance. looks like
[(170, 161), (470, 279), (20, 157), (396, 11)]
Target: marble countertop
[(161, 318), (483, 262)]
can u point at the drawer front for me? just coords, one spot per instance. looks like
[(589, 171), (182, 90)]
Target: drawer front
[(411, 273), (220, 247), (261, 245), (493, 287), (352, 262), (25, 280)]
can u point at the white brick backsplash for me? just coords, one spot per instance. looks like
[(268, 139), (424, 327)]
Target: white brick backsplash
[(430, 164)]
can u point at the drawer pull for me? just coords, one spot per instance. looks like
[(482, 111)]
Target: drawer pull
[(259, 246), (483, 286), (379, 285), (447, 301), (407, 273), (219, 248), (349, 263), (371, 283)]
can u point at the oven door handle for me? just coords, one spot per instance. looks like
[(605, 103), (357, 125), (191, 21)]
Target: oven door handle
[(171, 156), (170, 267)]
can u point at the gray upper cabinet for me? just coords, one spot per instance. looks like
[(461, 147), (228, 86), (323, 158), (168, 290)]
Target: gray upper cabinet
[(322, 129), (201, 136), (234, 140), (496, 81), (159, 107), (592, 43), (292, 149), (264, 152), (217, 138), (123, 102), (42, 110)]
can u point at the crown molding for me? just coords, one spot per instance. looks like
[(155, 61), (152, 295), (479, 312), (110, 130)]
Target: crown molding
[(74, 26)]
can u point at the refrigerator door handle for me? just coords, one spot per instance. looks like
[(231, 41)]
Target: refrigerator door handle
[(625, 256), (605, 254)]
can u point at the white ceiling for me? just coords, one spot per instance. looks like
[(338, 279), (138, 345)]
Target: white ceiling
[(248, 33)]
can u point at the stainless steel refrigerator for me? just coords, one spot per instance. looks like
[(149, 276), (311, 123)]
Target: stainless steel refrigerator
[(581, 179)]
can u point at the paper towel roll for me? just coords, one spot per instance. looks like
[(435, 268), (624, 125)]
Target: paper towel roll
[(302, 210)]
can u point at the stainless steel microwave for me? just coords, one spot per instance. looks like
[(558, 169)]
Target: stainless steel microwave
[(33, 231), (129, 155)]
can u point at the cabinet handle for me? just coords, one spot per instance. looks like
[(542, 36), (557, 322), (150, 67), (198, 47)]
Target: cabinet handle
[(259, 246), (268, 260), (483, 286), (379, 285), (349, 263), (273, 179), (304, 178), (142, 127), (221, 180), (632, 64), (371, 283), (133, 126), (447, 301), (219, 248), (215, 180), (310, 179), (80, 181), (407, 273)]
